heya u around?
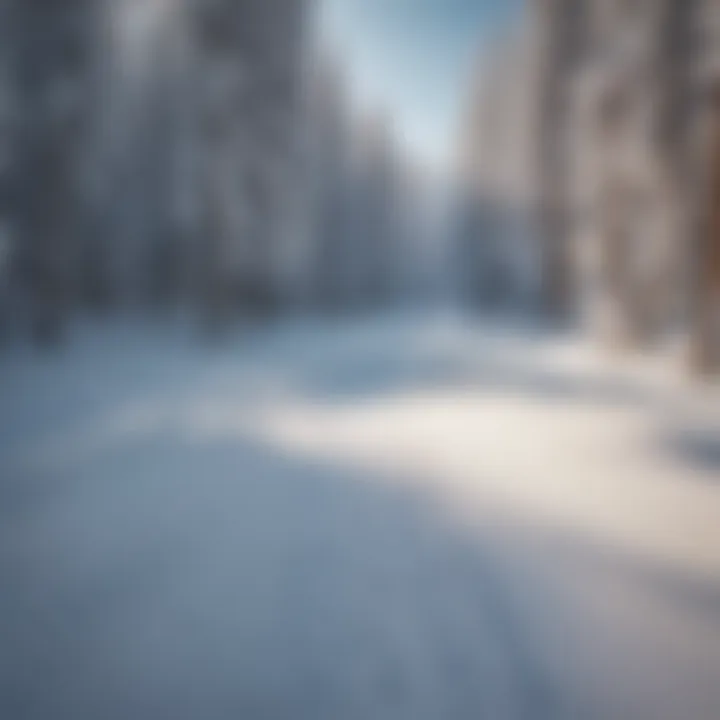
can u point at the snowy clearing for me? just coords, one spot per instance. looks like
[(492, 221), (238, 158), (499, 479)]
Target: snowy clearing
[(404, 517)]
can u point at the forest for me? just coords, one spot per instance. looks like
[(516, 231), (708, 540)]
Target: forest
[(208, 157), (359, 359)]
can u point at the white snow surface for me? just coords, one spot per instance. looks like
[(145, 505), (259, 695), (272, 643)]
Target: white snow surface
[(412, 516)]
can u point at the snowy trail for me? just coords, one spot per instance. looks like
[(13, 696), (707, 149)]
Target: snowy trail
[(405, 517)]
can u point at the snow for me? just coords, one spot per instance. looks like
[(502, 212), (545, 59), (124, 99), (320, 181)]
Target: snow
[(411, 516)]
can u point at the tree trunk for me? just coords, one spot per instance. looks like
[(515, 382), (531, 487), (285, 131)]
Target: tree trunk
[(705, 344)]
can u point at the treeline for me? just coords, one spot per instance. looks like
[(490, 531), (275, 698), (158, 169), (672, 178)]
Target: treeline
[(590, 175), (195, 154), (372, 224)]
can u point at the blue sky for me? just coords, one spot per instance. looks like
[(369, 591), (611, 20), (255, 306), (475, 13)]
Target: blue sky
[(413, 58)]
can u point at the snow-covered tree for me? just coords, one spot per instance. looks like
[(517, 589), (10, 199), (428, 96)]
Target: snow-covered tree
[(328, 163), (249, 57), (375, 199), (53, 57), (6, 113), (498, 254)]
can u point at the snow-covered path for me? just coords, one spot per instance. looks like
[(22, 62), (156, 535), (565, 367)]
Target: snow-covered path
[(408, 517)]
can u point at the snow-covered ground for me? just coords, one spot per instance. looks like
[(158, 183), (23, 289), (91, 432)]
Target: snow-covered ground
[(402, 517)]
